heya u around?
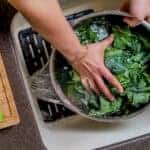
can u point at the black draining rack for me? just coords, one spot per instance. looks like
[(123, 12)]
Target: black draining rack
[(36, 52)]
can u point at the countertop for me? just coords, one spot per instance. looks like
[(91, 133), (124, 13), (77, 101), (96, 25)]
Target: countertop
[(25, 136)]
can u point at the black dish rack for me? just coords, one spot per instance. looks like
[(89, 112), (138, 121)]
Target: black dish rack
[(36, 52)]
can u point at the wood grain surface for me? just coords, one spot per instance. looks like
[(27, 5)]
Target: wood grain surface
[(7, 104)]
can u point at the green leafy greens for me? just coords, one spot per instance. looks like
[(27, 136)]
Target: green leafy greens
[(127, 58), (1, 117)]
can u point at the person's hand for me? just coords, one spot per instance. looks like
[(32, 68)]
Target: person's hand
[(139, 9), (92, 69)]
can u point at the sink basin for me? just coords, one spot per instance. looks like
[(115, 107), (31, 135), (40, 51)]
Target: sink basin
[(75, 132)]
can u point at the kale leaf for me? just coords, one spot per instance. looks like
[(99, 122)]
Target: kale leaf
[(127, 58), (1, 117)]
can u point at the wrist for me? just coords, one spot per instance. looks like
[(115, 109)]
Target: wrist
[(76, 54), (79, 55)]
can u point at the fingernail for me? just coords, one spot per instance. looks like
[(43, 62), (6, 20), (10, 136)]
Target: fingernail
[(121, 90), (112, 36), (112, 98)]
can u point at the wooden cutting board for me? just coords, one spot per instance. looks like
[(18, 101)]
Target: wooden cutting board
[(7, 103)]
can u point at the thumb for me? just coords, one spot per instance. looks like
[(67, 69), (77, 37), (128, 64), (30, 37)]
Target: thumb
[(108, 41), (131, 21)]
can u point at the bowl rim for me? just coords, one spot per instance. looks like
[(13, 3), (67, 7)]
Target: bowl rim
[(64, 99)]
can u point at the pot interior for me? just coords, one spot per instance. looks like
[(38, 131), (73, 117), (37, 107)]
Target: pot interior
[(61, 66)]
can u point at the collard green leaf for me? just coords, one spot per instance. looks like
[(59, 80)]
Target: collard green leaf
[(1, 117), (140, 98), (127, 58)]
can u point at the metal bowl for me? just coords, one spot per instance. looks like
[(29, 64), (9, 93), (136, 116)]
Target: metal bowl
[(74, 105)]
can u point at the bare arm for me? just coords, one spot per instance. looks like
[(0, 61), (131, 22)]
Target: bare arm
[(47, 18), (140, 9)]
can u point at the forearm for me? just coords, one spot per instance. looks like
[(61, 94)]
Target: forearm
[(47, 18)]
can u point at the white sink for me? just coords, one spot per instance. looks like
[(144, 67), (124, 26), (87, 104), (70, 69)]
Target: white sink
[(77, 133)]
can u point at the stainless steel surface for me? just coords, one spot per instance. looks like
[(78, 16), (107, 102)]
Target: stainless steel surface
[(73, 104), (78, 133)]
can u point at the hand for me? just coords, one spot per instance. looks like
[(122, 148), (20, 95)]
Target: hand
[(92, 69), (139, 9)]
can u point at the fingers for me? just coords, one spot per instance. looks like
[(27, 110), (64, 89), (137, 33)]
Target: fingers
[(108, 41), (112, 79), (137, 8), (131, 21), (102, 45), (99, 83), (90, 82), (103, 88), (93, 86), (89, 85), (85, 83)]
